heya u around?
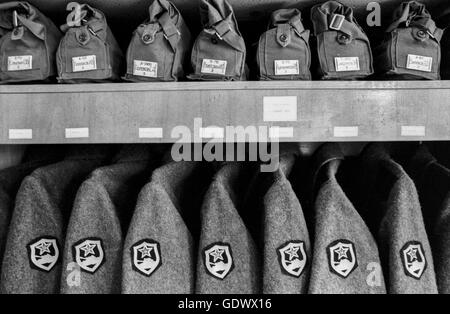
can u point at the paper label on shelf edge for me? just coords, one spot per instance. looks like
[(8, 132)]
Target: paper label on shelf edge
[(346, 64), (280, 108), (413, 130), (419, 63), (20, 134), (145, 68), (20, 63), (77, 133), (345, 131), (150, 133), (84, 63), (281, 132), (212, 132), (287, 67), (210, 66)]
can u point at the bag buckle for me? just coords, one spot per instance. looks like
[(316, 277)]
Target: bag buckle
[(336, 22), (167, 37)]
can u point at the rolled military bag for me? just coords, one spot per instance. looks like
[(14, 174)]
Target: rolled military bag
[(283, 50), (28, 43), (411, 49), (160, 46), (343, 49), (219, 50), (88, 52)]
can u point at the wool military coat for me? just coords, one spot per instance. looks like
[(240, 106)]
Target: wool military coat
[(345, 257), (433, 184), (390, 204), (32, 262), (161, 245), (92, 256)]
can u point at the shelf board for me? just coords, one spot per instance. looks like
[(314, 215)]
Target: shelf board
[(114, 113)]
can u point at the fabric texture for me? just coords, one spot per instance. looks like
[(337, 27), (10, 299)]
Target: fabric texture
[(219, 52), (11, 178), (279, 228), (160, 47), (38, 225), (433, 184), (390, 205), (160, 250), (99, 220), (342, 48), (228, 257), (283, 50), (411, 49), (345, 257)]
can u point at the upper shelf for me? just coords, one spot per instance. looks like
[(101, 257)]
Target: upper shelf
[(314, 111)]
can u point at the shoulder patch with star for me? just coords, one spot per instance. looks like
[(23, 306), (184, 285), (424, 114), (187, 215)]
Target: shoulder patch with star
[(43, 253), (146, 256), (413, 259), (342, 258), (292, 258), (88, 254), (218, 259)]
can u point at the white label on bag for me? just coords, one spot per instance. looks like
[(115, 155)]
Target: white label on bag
[(281, 132), (20, 134), (210, 66), (20, 63), (419, 63), (84, 63), (412, 130), (345, 131), (287, 67), (145, 68), (150, 132), (345, 64), (280, 109), (212, 132), (77, 133)]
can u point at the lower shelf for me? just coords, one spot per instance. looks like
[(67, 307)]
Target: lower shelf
[(150, 112)]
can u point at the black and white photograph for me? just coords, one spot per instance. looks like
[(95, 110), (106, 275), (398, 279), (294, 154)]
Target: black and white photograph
[(224, 155)]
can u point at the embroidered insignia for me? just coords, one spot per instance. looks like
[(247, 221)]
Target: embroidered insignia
[(43, 253), (342, 258), (218, 260), (413, 259), (292, 258), (89, 254), (146, 257)]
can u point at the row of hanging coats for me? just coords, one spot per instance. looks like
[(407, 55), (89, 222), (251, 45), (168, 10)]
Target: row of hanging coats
[(95, 219)]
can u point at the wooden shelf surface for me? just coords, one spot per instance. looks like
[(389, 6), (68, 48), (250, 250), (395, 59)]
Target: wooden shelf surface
[(132, 112)]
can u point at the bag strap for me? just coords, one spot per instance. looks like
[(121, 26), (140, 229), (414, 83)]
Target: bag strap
[(171, 32), (326, 19), (36, 29), (225, 32), (419, 18)]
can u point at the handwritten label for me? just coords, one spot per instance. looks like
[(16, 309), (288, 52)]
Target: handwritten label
[(345, 131), (346, 64), (280, 109), (412, 130), (212, 132), (84, 63), (419, 63), (20, 134), (210, 66), (150, 132), (145, 68), (20, 63), (77, 133), (287, 67)]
